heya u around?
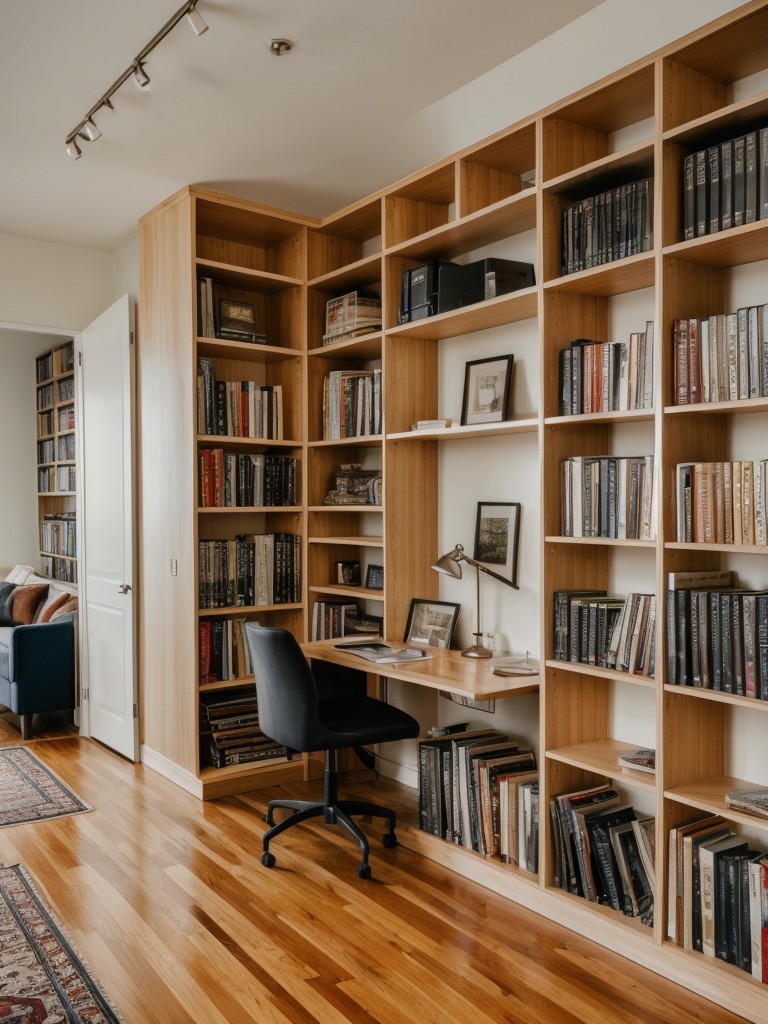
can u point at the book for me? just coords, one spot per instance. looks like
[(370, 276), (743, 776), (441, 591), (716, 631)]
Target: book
[(642, 760), (751, 801), (382, 653)]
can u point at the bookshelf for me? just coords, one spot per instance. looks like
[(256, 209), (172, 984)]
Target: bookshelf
[(506, 195), (57, 462)]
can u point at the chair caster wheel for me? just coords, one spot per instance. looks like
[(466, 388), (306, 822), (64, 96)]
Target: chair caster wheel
[(390, 840), (268, 859), (364, 871)]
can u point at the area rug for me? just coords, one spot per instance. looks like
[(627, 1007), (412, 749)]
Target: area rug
[(42, 979), (29, 791)]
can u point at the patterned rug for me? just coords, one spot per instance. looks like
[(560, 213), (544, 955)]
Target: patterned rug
[(31, 792), (42, 979)]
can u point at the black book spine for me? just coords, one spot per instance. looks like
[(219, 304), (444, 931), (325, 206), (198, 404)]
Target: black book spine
[(739, 180), (726, 185), (751, 176), (702, 190), (714, 159), (762, 158)]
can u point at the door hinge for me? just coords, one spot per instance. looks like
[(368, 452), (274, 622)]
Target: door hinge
[(80, 358), (86, 694), (132, 337), (135, 710)]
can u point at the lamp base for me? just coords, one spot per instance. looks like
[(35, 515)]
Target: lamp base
[(477, 651)]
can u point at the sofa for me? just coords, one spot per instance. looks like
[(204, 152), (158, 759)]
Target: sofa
[(37, 648)]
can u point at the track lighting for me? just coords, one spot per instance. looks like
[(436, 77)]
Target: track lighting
[(140, 75), (195, 19), (87, 129)]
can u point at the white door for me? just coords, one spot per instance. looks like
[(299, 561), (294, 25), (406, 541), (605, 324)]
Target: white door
[(107, 562)]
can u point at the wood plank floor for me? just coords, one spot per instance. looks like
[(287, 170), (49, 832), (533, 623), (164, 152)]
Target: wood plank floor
[(166, 899)]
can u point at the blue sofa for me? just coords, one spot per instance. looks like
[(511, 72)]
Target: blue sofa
[(37, 664)]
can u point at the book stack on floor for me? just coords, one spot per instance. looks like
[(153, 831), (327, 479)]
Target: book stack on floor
[(479, 789), (718, 894), (604, 851), (592, 628), (722, 502), (725, 185), (232, 724), (721, 358), (607, 376), (609, 496), (717, 634)]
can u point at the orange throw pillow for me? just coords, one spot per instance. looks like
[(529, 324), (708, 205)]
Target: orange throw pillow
[(47, 612), (69, 605), (25, 602)]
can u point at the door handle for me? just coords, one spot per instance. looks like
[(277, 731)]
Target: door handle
[(124, 588)]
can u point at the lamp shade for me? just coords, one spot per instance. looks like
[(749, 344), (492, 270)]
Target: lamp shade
[(449, 564)]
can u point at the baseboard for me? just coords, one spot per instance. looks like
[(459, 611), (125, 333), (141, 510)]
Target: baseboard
[(171, 771)]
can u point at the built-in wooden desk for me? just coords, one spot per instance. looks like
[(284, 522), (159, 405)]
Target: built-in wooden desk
[(444, 670)]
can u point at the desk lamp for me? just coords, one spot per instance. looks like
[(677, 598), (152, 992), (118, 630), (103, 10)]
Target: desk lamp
[(449, 565)]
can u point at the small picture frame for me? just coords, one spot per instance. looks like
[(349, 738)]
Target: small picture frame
[(431, 622), (348, 573), (497, 533), (487, 385), (237, 320), (374, 577)]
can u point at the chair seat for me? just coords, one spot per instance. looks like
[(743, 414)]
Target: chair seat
[(363, 720)]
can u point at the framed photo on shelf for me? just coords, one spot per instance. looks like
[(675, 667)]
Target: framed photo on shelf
[(487, 384), (237, 321), (431, 622), (374, 577), (497, 533)]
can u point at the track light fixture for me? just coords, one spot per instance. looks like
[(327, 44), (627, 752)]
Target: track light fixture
[(87, 128)]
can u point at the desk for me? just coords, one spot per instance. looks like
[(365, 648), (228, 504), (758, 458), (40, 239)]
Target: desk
[(445, 670)]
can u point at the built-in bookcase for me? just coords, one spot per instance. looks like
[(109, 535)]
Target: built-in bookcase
[(57, 463), (509, 196)]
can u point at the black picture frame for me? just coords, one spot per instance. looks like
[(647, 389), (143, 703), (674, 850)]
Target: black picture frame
[(497, 536), (432, 623), (374, 577), (487, 387)]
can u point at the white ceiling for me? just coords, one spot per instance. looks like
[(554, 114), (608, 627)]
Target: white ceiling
[(309, 132)]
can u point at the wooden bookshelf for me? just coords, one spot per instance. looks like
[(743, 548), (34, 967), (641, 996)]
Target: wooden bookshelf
[(57, 463), (640, 122)]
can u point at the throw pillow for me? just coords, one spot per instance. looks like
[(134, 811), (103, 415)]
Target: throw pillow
[(6, 597), (51, 607), (70, 605), (25, 601)]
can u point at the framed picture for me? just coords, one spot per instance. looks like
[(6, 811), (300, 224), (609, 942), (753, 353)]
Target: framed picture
[(431, 622), (348, 573), (237, 321), (496, 538), (487, 385), (374, 577)]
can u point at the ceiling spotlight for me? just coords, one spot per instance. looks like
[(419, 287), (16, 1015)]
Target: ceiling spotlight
[(280, 46), (90, 130), (140, 75), (73, 150), (195, 19)]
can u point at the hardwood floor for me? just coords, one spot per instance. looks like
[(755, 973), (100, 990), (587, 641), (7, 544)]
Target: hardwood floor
[(166, 899)]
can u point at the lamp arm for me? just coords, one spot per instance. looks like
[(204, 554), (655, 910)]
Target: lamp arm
[(489, 572)]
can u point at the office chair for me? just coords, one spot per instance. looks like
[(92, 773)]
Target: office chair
[(292, 713)]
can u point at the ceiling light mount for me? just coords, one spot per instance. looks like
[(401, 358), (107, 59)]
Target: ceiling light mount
[(87, 129), (280, 46)]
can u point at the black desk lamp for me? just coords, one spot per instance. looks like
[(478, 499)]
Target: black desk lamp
[(449, 565)]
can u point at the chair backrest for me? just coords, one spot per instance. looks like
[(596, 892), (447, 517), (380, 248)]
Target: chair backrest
[(285, 688)]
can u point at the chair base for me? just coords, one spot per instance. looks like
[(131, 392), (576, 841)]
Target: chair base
[(333, 811)]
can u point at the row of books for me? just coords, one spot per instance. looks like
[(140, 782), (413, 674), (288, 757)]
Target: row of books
[(331, 619), (237, 480), (45, 397), (609, 496), (251, 570), (223, 651), (60, 449), (721, 358), (717, 634), (461, 797), (718, 894), (351, 403), (56, 479), (593, 628), (44, 367), (726, 185), (59, 569), (722, 502), (240, 408), (608, 226), (604, 851), (607, 376), (232, 727), (58, 533)]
